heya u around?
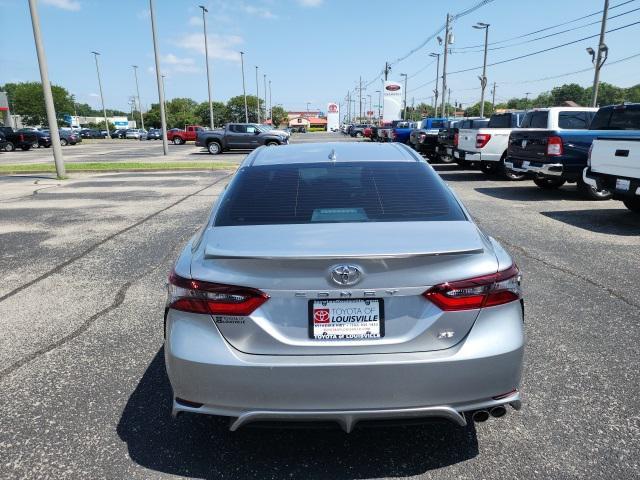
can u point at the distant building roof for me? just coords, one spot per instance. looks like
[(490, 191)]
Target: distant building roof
[(317, 120), (570, 103)]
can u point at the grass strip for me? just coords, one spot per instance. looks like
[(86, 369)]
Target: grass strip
[(116, 166)]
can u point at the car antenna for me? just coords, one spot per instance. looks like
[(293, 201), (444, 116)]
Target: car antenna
[(332, 155)]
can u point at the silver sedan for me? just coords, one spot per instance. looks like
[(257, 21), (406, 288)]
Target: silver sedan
[(343, 282)]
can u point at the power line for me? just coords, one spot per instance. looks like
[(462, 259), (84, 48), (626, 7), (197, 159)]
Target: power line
[(549, 28), (549, 35), (544, 50)]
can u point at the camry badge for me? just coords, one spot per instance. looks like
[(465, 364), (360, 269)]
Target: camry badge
[(345, 274)]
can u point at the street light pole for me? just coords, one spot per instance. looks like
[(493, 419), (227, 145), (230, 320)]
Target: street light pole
[(404, 114), (46, 90), (379, 92), (163, 119), (369, 109), (266, 109), (135, 74), (206, 59), (164, 93), (483, 78), (104, 111), (270, 104), (597, 58), (244, 89), (435, 92), (257, 94)]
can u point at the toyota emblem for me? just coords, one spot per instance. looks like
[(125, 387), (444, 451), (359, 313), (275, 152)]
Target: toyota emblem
[(346, 274)]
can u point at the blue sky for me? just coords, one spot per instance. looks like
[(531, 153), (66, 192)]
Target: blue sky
[(312, 50)]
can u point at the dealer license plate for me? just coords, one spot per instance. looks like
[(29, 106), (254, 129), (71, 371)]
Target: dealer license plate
[(623, 184), (346, 319)]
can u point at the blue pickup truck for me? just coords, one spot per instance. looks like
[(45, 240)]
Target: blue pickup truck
[(401, 131), (552, 145), (424, 138)]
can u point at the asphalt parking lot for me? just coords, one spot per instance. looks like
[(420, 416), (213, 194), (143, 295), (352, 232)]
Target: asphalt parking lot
[(84, 394)]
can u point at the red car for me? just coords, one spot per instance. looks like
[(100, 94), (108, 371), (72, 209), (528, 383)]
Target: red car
[(189, 134), (367, 132)]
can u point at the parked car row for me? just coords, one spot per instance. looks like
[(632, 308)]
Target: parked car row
[(26, 138), (240, 136), (597, 149)]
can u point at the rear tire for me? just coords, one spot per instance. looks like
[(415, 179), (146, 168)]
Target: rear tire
[(35, 145), (178, 141), (632, 204), (358, 135), (9, 147), (590, 193), (548, 183), (272, 144), (214, 148), (63, 142)]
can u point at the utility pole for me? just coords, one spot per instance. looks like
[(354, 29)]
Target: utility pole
[(493, 100), (369, 109), (483, 78), (448, 102), (206, 60), (404, 114), (104, 111), (266, 110), (526, 98), (46, 90), (447, 35), (257, 94), (379, 92), (435, 92), (135, 74), (244, 90), (387, 69), (163, 118), (349, 106), (597, 58)]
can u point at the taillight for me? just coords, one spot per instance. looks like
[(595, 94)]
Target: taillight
[(455, 139), (482, 139), (485, 291), (196, 296), (21, 137), (554, 147)]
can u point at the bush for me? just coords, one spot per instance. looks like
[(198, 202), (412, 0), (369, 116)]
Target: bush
[(316, 129)]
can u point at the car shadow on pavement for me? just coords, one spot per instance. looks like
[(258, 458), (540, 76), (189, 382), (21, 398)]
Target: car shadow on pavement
[(203, 447), (525, 191), (611, 221)]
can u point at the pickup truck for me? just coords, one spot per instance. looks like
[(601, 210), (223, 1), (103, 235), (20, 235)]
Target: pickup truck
[(613, 163), (238, 136), (402, 130), (179, 137), (424, 138), (558, 153), (448, 136), (488, 146), (24, 140), (358, 130)]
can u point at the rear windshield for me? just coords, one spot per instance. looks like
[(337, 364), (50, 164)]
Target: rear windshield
[(333, 193), (535, 120), (617, 118), (437, 124), (500, 121)]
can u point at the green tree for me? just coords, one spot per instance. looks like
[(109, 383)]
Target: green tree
[(278, 115), (474, 110), (633, 94), (568, 92), (27, 99), (220, 114), (235, 105), (607, 94)]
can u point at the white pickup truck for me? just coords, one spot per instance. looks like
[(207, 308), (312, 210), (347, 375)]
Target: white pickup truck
[(614, 164), (488, 146)]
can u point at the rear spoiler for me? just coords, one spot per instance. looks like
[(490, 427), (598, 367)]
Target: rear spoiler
[(214, 254)]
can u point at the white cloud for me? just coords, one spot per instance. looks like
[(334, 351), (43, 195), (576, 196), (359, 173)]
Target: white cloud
[(258, 11), (94, 95), (72, 5), (310, 3), (144, 14), (195, 21), (222, 47), (178, 64)]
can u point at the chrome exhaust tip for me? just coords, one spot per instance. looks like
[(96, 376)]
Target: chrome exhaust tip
[(498, 411), (480, 416)]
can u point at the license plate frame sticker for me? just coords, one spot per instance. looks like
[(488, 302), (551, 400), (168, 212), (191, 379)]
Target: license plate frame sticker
[(345, 320), (623, 184)]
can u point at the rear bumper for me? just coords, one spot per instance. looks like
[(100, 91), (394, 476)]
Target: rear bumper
[(610, 182), (536, 168), (465, 156), (203, 368)]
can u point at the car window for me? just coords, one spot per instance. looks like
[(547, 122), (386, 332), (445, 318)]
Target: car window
[(535, 120), (344, 192), (437, 124), (500, 121), (251, 129), (572, 119), (626, 117)]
